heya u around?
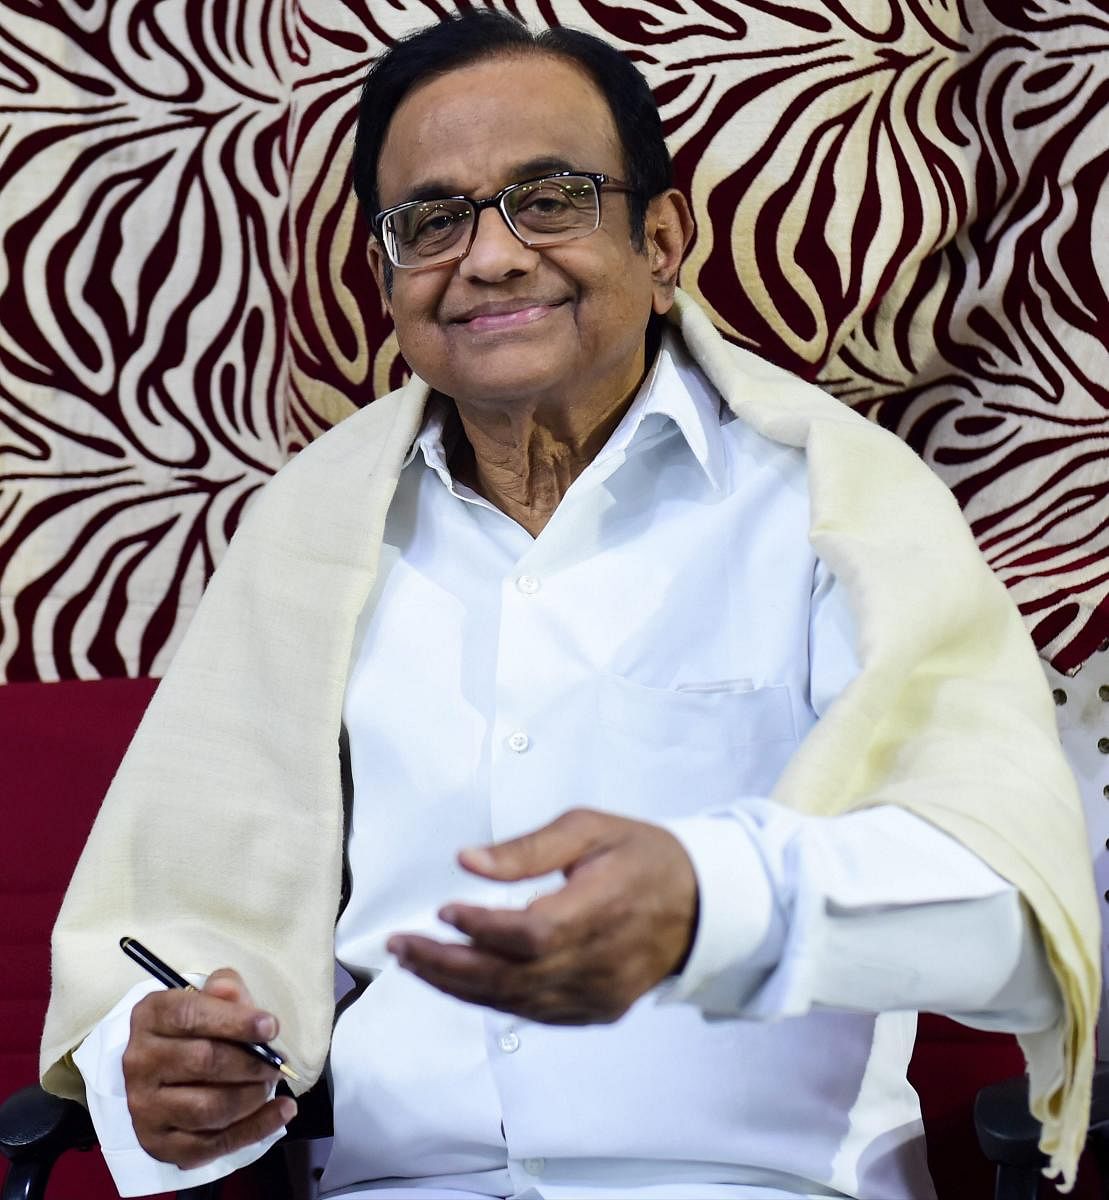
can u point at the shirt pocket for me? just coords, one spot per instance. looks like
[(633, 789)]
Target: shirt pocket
[(668, 753)]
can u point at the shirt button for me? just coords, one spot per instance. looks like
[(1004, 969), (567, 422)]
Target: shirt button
[(534, 1166), (518, 742), (528, 584), (509, 1043)]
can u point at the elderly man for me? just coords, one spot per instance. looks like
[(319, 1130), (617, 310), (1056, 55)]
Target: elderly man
[(745, 777)]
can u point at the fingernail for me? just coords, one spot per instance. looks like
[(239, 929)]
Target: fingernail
[(288, 1109), (448, 914), (265, 1027), (478, 856)]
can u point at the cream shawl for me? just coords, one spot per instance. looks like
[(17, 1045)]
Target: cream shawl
[(220, 840)]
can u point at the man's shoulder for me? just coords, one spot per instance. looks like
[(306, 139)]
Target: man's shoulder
[(365, 431), (360, 445), (353, 464), (773, 400), (779, 405)]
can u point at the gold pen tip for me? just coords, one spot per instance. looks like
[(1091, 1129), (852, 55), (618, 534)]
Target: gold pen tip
[(285, 1069)]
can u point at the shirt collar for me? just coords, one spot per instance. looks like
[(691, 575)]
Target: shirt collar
[(674, 390), (437, 436)]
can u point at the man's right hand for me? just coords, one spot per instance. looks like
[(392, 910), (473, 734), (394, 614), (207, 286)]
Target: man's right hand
[(193, 1094)]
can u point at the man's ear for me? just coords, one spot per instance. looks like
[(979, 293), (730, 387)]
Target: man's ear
[(383, 275), (669, 230)]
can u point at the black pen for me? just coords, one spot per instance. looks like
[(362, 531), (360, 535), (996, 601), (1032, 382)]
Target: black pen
[(166, 975)]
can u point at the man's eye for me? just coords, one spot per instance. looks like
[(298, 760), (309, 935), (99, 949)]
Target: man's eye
[(547, 201), (435, 224)]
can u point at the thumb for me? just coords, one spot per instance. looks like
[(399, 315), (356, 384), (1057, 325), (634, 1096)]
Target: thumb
[(228, 984), (554, 847)]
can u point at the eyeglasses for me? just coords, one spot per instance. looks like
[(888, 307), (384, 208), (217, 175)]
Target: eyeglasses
[(540, 212)]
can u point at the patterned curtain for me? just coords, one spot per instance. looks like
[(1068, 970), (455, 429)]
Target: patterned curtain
[(906, 200)]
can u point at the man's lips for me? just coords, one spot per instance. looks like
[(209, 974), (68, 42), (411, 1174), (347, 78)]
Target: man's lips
[(495, 317)]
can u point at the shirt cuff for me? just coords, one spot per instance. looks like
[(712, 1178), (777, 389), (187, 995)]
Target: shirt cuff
[(99, 1058), (740, 928)]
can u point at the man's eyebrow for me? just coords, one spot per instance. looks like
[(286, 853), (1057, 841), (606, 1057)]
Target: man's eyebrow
[(437, 189), (541, 166)]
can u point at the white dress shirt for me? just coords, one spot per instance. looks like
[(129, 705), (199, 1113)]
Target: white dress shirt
[(658, 651)]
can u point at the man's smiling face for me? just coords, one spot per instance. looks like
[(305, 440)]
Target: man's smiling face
[(508, 323)]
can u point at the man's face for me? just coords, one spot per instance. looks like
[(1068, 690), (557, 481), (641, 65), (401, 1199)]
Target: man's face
[(508, 322)]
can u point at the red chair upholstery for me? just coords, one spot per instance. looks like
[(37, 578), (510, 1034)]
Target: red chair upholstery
[(950, 1063), (62, 743)]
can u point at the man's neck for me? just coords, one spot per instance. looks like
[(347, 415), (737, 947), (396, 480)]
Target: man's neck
[(526, 465), (523, 457)]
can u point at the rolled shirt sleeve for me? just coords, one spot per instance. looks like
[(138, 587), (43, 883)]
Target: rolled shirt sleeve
[(99, 1058), (874, 910)]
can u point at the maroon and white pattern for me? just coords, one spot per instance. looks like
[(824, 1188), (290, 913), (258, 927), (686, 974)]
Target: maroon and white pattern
[(898, 199)]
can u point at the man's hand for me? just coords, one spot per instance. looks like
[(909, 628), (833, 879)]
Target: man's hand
[(193, 1094), (584, 954)]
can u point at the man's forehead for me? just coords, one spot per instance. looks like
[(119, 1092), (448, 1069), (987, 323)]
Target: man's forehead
[(494, 122), (439, 185)]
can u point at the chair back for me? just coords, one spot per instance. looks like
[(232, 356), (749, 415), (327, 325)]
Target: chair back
[(61, 745)]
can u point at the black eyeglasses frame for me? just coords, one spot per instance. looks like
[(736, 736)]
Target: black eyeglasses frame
[(599, 180)]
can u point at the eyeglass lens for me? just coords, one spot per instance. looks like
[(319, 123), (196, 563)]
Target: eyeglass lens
[(544, 211)]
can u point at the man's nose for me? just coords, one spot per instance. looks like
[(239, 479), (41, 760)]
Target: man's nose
[(496, 251)]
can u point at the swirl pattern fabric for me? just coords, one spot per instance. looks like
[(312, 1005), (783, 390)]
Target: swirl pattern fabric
[(906, 200)]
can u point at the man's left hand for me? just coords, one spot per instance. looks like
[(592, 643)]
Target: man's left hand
[(624, 920)]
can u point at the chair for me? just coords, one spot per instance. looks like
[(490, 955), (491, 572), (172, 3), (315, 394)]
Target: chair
[(49, 728), (35, 1128), (1008, 1135), (62, 743)]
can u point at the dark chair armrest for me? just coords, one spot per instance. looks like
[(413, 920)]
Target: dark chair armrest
[(34, 1124), (35, 1128), (1007, 1131)]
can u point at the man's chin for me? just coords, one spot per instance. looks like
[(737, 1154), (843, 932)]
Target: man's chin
[(506, 390), (512, 372)]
